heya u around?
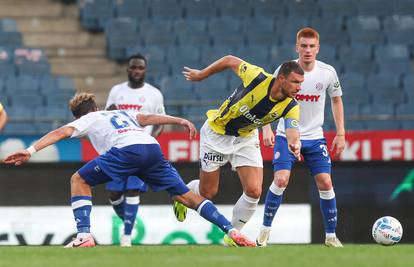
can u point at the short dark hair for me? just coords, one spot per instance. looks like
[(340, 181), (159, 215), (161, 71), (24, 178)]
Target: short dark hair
[(82, 103), (137, 56), (290, 66)]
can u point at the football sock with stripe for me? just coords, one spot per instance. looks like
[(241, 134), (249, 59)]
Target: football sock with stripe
[(130, 213), (272, 203), (243, 210), (208, 211), (81, 207), (328, 209)]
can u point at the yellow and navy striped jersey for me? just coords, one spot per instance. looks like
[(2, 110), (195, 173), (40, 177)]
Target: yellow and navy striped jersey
[(250, 106)]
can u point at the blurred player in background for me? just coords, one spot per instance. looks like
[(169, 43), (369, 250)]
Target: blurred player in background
[(136, 95), (125, 150), (3, 117), (320, 78), (230, 133)]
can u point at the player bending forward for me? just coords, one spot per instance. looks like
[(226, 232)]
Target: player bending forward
[(124, 150)]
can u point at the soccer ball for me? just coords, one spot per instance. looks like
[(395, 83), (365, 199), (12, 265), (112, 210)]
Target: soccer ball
[(387, 231)]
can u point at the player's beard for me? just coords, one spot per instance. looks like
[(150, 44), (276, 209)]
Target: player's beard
[(136, 82)]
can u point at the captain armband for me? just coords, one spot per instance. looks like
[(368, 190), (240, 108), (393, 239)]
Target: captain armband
[(291, 123)]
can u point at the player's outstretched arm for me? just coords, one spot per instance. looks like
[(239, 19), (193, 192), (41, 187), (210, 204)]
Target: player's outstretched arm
[(223, 63), (155, 119), (50, 138), (268, 136)]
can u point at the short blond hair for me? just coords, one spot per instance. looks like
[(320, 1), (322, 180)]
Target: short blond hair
[(82, 103), (307, 32)]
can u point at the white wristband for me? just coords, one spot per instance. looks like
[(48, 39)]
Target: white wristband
[(31, 150)]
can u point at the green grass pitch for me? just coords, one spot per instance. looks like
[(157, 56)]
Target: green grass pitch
[(214, 256)]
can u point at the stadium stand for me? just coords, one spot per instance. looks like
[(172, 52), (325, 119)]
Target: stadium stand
[(364, 40)]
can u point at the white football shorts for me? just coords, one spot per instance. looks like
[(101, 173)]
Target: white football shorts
[(217, 149)]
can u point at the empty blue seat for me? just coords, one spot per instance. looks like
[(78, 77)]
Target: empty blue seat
[(229, 38), (152, 53), (264, 32), (94, 13), (158, 69), (385, 88), (11, 39), (354, 89), (393, 58), (302, 9), (234, 8), (58, 99), (374, 7), (383, 124), (200, 9), (287, 27), (357, 58), (403, 7), (157, 32), (184, 55), (223, 25), (30, 100), (280, 54), (269, 8), (7, 69), (176, 88), (22, 84), (209, 54), (365, 29), (327, 53), (254, 54), (20, 128), (405, 109), (338, 7), (408, 85), (399, 29), (407, 124), (120, 34), (20, 113), (51, 114), (131, 8), (8, 25), (331, 30), (166, 9), (214, 88), (376, 109), (355, 125)]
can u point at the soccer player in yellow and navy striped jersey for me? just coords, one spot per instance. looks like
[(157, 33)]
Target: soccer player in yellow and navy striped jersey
[(3, 116), (230, 133)]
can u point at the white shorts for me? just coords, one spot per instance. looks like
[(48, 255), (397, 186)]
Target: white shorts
[(217, 149)]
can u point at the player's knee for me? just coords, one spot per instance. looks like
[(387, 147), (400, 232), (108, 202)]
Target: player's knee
[(113, 195), (208, 193), (254, 192), (282, 181), (324, 183)]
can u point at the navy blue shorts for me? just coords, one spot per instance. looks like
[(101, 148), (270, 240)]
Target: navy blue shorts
[(145, 161), (315, 154)]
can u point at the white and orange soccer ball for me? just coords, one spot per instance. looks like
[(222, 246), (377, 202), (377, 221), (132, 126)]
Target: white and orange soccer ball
[(387, 231)]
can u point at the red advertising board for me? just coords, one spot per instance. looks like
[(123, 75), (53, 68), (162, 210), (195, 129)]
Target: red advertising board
[(360, 145)]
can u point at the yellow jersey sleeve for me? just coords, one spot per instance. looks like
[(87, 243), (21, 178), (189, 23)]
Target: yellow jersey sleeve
[(1, 107), (293, 113), (247, 72)]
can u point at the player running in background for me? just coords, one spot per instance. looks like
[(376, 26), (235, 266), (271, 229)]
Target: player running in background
[(320, 78), (230, 133), (134, 94), (3, 116), (125, 150)]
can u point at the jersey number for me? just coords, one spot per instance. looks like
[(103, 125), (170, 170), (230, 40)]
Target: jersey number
[(324, 150), (122, 121)]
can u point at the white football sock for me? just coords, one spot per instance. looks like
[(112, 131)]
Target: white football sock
[(194, 186), (243, 211)]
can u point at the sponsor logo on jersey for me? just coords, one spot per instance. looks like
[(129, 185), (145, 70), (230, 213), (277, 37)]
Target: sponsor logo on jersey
[(336, 84), (129, 107), (246, 113), (307, 98), (212, 157)]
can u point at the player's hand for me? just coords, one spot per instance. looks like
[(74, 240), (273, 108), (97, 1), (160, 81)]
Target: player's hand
[(338, 143), (268, 138), (192, 130), (295, 149), (192, 74), (17, 158)]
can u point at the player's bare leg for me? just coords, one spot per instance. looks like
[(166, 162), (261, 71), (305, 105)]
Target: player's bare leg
[(328, 208)]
